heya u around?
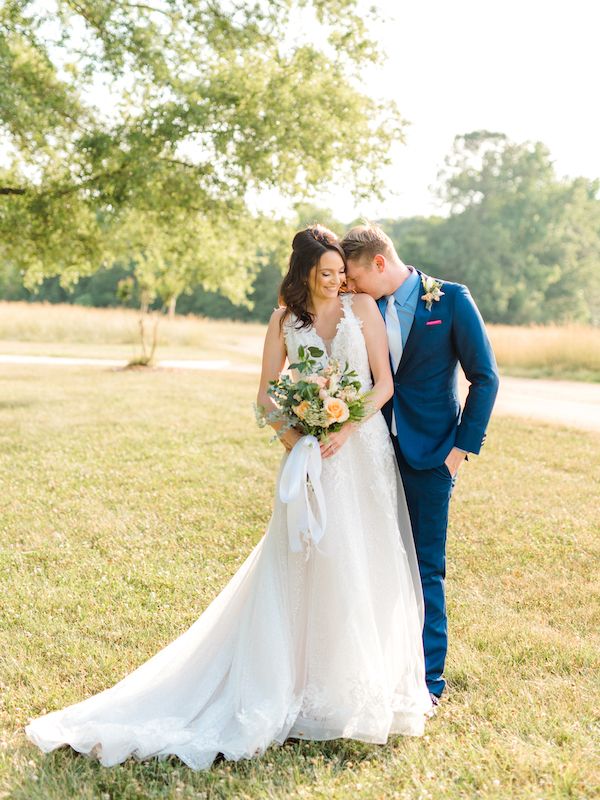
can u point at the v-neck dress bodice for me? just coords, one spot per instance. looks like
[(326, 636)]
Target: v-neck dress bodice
[(346, 346)]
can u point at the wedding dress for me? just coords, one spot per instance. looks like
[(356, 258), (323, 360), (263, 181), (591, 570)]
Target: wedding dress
[(314, 645)]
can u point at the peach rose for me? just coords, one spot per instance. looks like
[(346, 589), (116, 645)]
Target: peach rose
[(336, 409), (301, 409), (323, 394)]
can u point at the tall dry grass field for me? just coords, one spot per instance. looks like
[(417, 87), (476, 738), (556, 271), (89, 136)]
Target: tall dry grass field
[(570, 352), (62, 329), (548, 351)]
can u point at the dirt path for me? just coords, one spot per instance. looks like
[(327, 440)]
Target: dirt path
[(570, 403), (76, 361)]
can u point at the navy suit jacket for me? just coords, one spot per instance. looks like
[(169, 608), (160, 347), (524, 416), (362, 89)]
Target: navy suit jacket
[(426, 403)]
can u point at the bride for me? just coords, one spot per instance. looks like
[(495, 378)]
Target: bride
[(313, 645)]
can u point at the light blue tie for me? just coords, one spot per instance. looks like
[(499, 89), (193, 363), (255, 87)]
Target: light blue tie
[(394, 334)]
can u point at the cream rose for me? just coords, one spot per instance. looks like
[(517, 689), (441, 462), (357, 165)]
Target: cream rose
[(332, 384), (349, 394), (337, 410)]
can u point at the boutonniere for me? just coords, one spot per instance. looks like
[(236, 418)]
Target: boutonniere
[(433, 291)]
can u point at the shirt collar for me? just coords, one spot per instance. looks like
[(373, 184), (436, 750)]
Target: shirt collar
[(406, 289)]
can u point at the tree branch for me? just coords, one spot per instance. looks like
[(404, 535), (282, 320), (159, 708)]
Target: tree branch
[(145, 7), (11, 190)]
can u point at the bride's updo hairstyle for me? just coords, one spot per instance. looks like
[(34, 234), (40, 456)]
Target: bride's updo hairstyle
[(307, 248)]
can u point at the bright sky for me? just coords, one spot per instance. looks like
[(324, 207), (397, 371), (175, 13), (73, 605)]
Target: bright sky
[(527, 68)]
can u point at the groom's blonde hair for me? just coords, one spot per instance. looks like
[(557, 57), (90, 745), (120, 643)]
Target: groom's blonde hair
[(367, 241)]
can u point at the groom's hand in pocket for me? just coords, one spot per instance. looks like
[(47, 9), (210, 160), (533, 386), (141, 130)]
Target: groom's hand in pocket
[(454, 459)]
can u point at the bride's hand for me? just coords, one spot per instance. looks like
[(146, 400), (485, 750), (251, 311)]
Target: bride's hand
[(334, 441), (289, 438)]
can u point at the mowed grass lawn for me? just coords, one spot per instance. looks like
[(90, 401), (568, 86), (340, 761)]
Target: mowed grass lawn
[(129, 498)]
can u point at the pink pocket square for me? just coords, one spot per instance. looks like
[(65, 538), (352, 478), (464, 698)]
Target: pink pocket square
[(434, 322)]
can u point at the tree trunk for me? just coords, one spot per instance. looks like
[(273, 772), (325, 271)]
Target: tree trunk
[(154, 337)]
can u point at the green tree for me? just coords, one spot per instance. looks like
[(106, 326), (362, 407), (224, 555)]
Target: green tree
[(264, 293), (139, 131), (126, 285), (526, 242), (412, 238)]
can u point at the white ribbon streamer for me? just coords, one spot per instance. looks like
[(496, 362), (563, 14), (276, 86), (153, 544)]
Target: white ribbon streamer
[(301, 491)]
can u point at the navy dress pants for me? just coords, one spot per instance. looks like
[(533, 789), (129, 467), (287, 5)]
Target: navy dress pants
[(428, 493)]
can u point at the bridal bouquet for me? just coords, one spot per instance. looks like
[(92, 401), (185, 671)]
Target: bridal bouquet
[(323, 399), (320, 401)]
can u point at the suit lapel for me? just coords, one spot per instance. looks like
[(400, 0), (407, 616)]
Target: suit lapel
[(418, 327)]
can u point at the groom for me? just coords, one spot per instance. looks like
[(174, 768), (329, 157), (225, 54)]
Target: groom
[(432, 327)]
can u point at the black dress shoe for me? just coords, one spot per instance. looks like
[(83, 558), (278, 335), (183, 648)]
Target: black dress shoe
[(435, 704)]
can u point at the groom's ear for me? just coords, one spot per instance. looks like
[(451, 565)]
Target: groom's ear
[(379, 262)]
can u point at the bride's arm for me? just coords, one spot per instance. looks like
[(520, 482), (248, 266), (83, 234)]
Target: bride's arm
[(273, 361), (375, 334)]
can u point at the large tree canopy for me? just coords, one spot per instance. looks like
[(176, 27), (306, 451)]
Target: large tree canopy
[(140, 130), (526, 242)]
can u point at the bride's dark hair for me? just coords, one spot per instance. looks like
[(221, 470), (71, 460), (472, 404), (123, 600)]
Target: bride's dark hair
[(307, 248)]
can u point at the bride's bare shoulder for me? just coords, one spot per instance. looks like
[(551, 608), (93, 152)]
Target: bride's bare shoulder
[(364, 305), (277, 315), (275, 327)]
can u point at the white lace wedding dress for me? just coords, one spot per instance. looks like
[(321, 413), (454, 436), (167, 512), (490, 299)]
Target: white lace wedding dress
[(319, 648)]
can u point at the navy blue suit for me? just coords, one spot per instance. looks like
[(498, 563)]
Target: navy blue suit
[(429, 423)]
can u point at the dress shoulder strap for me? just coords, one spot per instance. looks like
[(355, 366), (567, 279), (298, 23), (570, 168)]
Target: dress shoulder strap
[(347, 299), (349, 315)]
